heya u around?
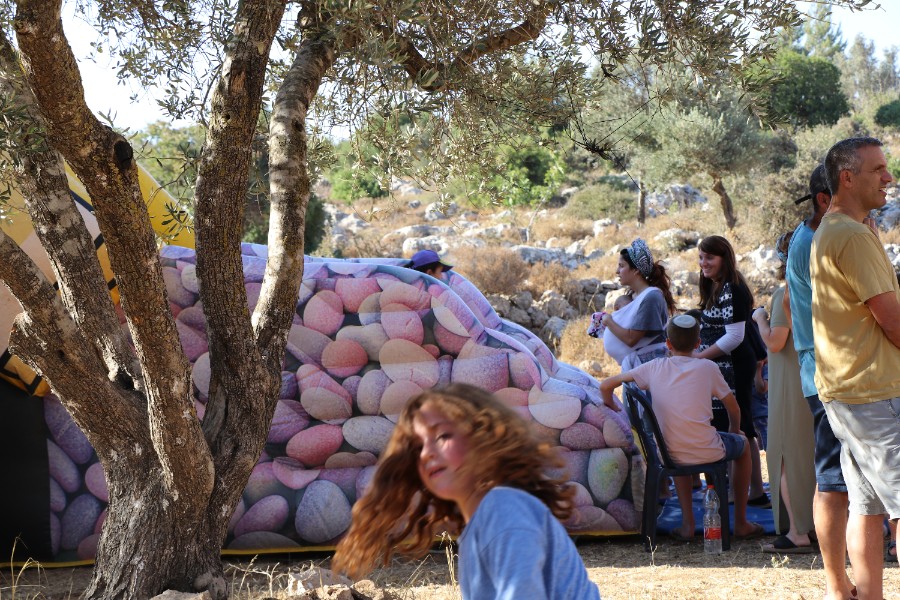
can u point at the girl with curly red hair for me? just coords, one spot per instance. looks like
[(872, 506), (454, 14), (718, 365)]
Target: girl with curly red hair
[(459, 459)]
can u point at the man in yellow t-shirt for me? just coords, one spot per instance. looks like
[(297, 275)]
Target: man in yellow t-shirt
[(856, 328)]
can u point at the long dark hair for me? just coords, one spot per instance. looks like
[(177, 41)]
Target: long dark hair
[(659, 278), (709, 289)]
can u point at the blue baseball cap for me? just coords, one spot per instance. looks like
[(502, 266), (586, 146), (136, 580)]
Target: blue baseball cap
[(427, 257)]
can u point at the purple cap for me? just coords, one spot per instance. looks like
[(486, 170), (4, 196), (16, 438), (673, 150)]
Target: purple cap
[(427, 257)]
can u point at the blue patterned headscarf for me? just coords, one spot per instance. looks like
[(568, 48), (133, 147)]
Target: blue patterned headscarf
[(639, 254), (782, 243)]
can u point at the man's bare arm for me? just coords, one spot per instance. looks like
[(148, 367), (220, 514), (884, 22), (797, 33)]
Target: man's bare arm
[(886, 310)]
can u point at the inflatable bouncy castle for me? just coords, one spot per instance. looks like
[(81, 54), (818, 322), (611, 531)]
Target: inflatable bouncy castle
[(368, 334)]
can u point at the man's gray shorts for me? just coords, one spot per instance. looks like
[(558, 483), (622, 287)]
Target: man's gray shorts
[(870, 454)]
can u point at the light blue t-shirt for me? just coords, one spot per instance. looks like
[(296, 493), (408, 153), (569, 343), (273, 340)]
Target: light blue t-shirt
[(514, 548), (800, 286)]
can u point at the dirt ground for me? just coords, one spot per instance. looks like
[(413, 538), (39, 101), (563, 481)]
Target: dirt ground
[(619, 566)]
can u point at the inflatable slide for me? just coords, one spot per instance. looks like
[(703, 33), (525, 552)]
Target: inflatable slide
[(368, 334)]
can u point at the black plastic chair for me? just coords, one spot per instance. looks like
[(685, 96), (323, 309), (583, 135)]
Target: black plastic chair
[(660, 465)]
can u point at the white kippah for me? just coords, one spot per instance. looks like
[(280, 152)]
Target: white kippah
[(684, 321)]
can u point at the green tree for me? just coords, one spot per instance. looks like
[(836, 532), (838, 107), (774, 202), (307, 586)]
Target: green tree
[(613, 128), (527, 173), (889, 71), (353, 177), (170, 154), (709, 135), (173, 480), (888, 115), (821, 37), (807, 92), (859, 71)]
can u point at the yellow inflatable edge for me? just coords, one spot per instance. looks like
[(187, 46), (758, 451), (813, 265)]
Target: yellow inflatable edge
[(17, 225)]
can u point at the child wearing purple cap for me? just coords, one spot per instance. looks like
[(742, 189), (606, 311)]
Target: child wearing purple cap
[(429, 262)]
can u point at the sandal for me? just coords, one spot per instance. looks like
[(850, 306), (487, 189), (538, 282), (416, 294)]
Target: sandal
[(783, 545), (761, 501), (888, 557)]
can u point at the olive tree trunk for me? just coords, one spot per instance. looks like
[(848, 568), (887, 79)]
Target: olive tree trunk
[(642, 202), (725, 199), (173, 483)]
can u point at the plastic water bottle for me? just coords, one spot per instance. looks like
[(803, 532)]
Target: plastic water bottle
[(712, 523)]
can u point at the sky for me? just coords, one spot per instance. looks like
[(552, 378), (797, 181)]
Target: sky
[(105, 95)]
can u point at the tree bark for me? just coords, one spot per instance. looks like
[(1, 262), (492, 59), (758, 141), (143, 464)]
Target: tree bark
[(42, 180), (173, 482), (642, 202), (170, 495), (725, 199)]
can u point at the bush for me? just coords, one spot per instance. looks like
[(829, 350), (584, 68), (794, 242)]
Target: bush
[(773, 211), (522, 174), (619, 183), (348, 186), (365, 244), (493, 270), (888, 115), (893, 165), (602, 200)]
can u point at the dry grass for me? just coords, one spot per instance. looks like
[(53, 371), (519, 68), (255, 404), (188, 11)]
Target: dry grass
[(552, 276), (492, 269), (565, 230), (367, 244), (619, 566), (891, 236), (577, 348), (603, 268)]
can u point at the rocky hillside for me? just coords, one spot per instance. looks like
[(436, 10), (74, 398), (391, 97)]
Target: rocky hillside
[(546, 269)]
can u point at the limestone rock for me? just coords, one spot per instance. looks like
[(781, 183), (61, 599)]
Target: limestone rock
[(173, 595), (440, 210), (313, 578), (674, 196), (678, 240), (552, 331), (600, 225)]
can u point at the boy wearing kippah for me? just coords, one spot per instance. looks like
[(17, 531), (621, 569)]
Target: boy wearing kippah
[(682, 388)]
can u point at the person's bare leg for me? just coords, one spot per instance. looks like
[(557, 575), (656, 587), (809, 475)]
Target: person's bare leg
[(741, 487), (865, 536), (800, 539), (892, 524), (756, 481), (684, 489), (830, 516)]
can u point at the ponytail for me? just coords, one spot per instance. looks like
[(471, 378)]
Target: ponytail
[(660, 279)]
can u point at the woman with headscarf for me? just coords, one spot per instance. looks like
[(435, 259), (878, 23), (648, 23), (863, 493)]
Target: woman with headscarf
[(635, 333), (792, 476)]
